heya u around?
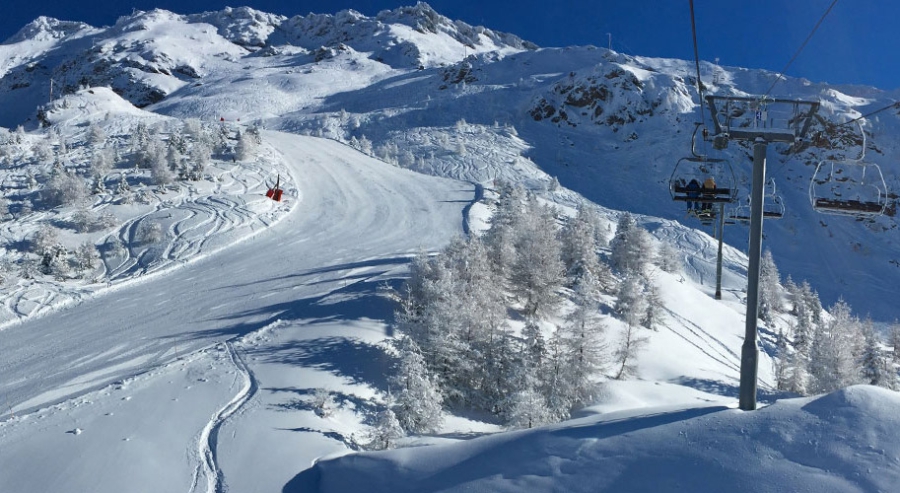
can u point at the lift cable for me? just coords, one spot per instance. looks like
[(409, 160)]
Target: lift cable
[(784, 70), (892, 105), (699, 84)]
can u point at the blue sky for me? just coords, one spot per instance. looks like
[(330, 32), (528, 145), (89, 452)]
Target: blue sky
[(858, 42)]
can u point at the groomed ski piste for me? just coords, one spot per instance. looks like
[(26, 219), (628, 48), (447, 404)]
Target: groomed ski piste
[(193, 364)]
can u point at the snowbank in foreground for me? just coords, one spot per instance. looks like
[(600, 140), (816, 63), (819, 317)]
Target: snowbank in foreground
[(847, 441)]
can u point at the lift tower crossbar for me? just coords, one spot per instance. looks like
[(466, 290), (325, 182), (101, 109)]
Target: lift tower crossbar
[(748, 119)]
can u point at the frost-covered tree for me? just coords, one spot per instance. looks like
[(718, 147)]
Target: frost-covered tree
[(45, 239), (86, 257), (579, 239), (386, 432), (631, 304), (502, 235), (247, 146), (96, 135), (418, 397), (769, 295), (527, 408), (875, 364), (101, 162), (64, 189), (122, 188), (365, 145), (630, 248), (140, 137), (894, 342), (537, 274), (150, 232), (781, 362), (669, 259), (833, 352), (583, 343), (200, 157), (625, 354)]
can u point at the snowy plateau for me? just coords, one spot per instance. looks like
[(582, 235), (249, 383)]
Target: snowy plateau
[(167, 327)]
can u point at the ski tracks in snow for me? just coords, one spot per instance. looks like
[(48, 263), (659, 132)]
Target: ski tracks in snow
[(704, 342), (208, 467)]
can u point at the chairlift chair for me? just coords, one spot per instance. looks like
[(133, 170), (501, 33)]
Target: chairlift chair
[(773, 206), (700, 169), (849, 187)]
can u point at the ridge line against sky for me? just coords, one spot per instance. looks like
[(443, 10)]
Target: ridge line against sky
[(856, 43)]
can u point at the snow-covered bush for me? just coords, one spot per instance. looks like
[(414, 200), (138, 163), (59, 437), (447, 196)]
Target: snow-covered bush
[(149, 232), (64, 189)]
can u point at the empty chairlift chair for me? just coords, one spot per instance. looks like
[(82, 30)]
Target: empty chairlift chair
[(849, 187)]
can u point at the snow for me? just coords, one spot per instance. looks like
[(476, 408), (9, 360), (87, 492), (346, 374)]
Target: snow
[(807, 444), (191, 365)]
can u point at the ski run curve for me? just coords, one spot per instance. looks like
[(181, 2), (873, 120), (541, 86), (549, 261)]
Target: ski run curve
[(353, 218)]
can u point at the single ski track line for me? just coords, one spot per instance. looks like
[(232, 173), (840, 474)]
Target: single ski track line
[(209, 467)]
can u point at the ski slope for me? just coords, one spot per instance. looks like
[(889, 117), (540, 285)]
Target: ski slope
[(353, 219)]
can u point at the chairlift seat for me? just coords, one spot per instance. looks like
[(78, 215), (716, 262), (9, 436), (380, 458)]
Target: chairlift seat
[(850, 206)]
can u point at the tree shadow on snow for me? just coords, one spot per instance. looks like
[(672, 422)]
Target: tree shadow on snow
[(764, 396), (359, 300), (357, 361)]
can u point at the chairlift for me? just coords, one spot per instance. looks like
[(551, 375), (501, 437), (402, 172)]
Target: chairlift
[(773, 206), (849, 187), (701, 181)]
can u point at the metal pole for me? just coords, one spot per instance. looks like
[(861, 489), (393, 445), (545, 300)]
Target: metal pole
[(750, 351), (719, 259)]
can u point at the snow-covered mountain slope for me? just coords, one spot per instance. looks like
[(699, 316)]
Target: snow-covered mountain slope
[(607, 125), (207, 374)]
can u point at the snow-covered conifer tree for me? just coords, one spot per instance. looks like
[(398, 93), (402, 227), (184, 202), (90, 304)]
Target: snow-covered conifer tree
[(875, 364), (630, 247), (527, 408), (631, 304), (418, 402), (501, 236), (832, 361), (579, 248), (669, 259), (894, 342), (96, 135), (538, 271), (630, 344), (583, 343), (386, 432), (246, 146), (769, 295)]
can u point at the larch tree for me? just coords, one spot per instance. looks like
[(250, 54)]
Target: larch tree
[(418, 397), (769, 295), (538, 272), (631, 307), (583, 343), (875, 364), (386, 431), (630, 248), (833, 352), (894, 342)]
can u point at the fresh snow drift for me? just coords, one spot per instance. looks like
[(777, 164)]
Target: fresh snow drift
[(847, 441)]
